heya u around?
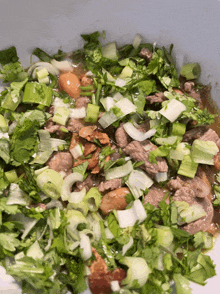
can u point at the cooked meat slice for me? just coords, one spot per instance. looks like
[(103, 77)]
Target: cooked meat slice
[(189, 89), (210, 135), (114, 200), (157, 98), (89, 148), (140, 152), (122, 137), (74, 125), (217, 160), (93, 161), (194, 134), (85, 81), (199, 187), (110, 185), (101, 277), (146, 54), (88, 183), (90, 133), (154, 196), (203, 224), (60, 161), (51, 127), (81, 102)]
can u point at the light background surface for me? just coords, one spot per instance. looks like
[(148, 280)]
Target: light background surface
[(193, 26)]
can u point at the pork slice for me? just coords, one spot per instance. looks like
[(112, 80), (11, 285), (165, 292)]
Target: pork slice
[(74, 125), (140, 152), (210, 135), (122, 137), (87, 183), (60, 161), (154, 196), (51, 127), (203, 224), (114, 200), (199, 187), (110, 185), (194, 134), (189, 89), (81, 102), (146, 54), (157, 98), (100, 277)]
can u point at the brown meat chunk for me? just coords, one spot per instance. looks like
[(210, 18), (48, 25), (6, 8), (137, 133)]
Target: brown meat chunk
[(100, 277), (211, 135), (146, 54), (189, 89), (194, 134), (157, 98), (199, 187), (88, 183), (90, 133), (89, 148), (203, 224), (121, 137), (137, 152), (85, 81), (60, 161), (110, 185), (74, 125), (114, 200), (217, 160), (81, 102), (154, 196)]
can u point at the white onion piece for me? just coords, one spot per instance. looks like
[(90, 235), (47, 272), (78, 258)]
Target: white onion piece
[(54, 203), (97, 230), (58, 102), (119, 171), (67, 184), (126, 106), (109, 103), (127, 246), (140, 211), (40, 65), (172, 110), (63, 65), (127, 217), (78, 112), (74, 245), (115, 287), (161, 177), (85, 245), (137, 41), (138, 182), (77, 197), (108, 234), (120, 82), (77, 151), (136, 134)]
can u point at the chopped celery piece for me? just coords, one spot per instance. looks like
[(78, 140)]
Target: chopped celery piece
[(181, 150), (126, 72), (164, 236), (43, 73), (13, 98), (50, 182), (173, 110), (188, 167), (178, 129), (204, 151), (92, 113), (3, 124), (75, 218), (11, 176), (61, 115), (137, 41), (93, 198), (81, 206), (187, 213), (138, 271), (169, 140), (37, 93), (190, 71), (45, 80), (110, 51)]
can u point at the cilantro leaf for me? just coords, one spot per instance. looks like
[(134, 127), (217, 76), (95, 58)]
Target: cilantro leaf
[(4, 150), (12, 72), (181, 284), (9, 241)]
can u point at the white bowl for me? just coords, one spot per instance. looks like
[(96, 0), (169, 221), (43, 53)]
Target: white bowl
[(192, 26)]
